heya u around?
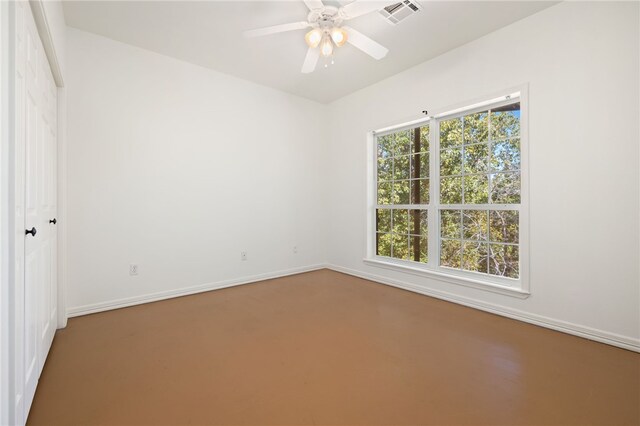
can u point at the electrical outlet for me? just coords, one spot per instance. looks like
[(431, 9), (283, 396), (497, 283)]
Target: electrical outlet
[(295, 249), (133, 269), (243, 255)]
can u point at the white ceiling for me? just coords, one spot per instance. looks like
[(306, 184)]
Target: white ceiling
[(209, 33)]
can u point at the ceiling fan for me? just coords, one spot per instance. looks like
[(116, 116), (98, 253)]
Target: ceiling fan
[(328, 32)]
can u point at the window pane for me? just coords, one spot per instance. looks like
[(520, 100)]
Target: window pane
[(418, 248), (418, 222), (451, 190), (505, 188), (450, 253), (384, 193), (385, 146), (424, 138), (450, 133), (400, 246), (424, 165), (476, 189), (401, 192), (476, 127), (402, 144), (474, 257), (383, 245), (505, 121), (504, 226), (400, 221), (401, 167), (504, 260), (420, 191), (450, 223), (474, 224), (385, 169), (451, 162), (383, 220), (505, 155), (475, 158), (420, 166)]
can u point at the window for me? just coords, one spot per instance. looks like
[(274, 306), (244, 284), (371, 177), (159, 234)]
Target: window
[(449, 196), (403, 194)]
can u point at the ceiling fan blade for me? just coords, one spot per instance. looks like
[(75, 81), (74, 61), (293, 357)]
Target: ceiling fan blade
[(364, 43), (259, 32), (360, 7), (310, 60), (314, 4)]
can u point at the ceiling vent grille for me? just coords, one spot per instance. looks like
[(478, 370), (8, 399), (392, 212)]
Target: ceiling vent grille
[(400, 11)]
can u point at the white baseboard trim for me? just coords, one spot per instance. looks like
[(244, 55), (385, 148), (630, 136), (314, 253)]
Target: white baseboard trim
[(601, 336), (185, 291)]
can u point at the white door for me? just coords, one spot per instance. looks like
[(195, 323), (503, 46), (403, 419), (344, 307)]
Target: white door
[(47, 151), (36, 301), (33, 250)]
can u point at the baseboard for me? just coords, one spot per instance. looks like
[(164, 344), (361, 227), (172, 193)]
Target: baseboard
[(185, 291), (557, 325), (601, 336)]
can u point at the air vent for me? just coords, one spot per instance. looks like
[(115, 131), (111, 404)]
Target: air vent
[(400, 11)]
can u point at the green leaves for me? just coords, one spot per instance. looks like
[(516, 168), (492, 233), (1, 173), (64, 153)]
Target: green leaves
[(505, 122), (505, 188), (402, 234), (476, 189), (483, 241), (451, 162), (475, 225), (450, 223), (476, 127), (403, 167), (504, 260), (505, 155), (504, 226), (476, 150), (451, 190), (450, 133), (476, 158)]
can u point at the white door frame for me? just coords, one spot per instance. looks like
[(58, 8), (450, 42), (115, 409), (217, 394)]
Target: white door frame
[(5, 83)]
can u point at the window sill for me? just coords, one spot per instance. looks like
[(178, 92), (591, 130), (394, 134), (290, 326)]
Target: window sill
[(449, 278)]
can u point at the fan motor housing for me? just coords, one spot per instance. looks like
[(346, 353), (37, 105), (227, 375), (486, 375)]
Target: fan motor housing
[(325, 17)]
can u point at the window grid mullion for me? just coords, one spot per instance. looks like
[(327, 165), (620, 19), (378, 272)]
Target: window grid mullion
[(490, 175), (462, 172), (434, 220)]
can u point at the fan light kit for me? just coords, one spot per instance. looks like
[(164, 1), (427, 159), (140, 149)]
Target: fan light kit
[(327, 31), (326, 39)]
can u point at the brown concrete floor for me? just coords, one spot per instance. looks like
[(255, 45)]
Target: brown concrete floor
[(327, 348)]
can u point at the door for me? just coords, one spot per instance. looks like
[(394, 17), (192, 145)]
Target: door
[(46, 196), (35, 193), (33, 250)]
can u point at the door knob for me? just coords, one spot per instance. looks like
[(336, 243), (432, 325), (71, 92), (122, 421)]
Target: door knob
[(32, 232), (54, 221)]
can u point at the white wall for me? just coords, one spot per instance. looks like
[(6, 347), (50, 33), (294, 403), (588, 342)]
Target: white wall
[(178, 169), (581, 63)]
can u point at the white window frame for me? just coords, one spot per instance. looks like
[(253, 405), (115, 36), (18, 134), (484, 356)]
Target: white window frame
[(507, 286)]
